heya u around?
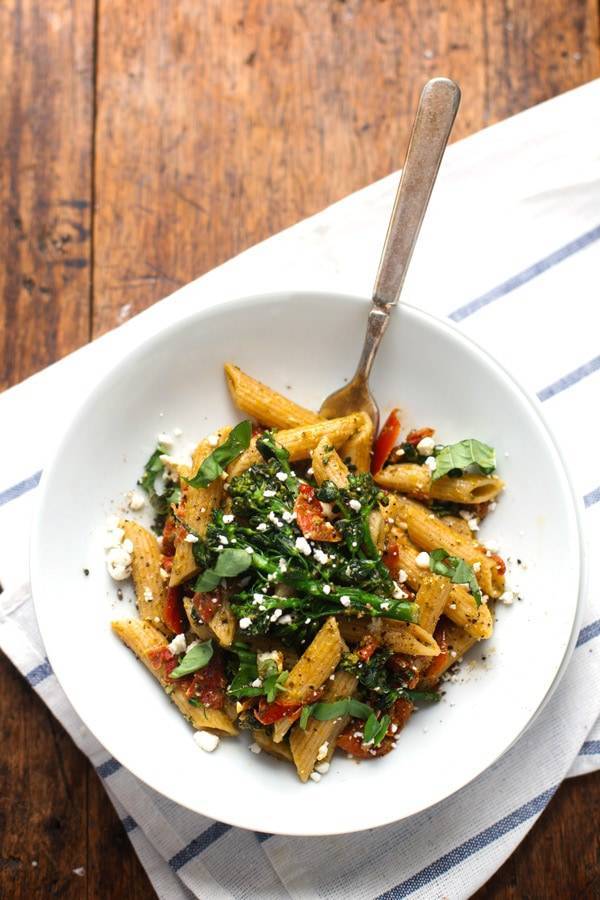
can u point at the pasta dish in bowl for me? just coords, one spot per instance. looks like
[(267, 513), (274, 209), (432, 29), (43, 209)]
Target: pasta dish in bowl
[(301, 589)]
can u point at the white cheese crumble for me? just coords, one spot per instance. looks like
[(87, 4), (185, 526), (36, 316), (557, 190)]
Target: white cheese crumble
[(508, 598), (228, 519), (285, 620), (356, 505), (257, 682), (402, 576), (213, 439), (320, 556), (287, 516), (206, 740), (476, 567), (178, 432), (191, 538), (422, 560), (431, 463), (322, 768), (135, 500), (322, 751), (326, 589), (303, 546), (165, 439), (425, 446), (345, 600), (118, 555), (148, 595), (262, 526), (473, 523), (223, 540), (282, 476), (314, 776), (277, 613), (178, 645), (269, 493), (492, 546), (245, 622), (255, 748)]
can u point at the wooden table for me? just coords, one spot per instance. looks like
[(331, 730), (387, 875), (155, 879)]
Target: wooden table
[(143, 144)]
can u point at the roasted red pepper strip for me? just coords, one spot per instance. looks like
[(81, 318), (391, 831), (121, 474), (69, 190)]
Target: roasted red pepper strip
[(208, 684), (207, 604), (417, 434), (391, 560), (385, 443), (310, 518), (174, 615), (439, 663), (500, 564), (268, 713), (368, 646)]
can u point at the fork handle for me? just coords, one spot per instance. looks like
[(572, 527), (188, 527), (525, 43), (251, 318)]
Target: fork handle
[(431, 129)]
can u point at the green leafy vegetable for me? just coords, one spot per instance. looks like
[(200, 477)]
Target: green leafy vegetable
[(457, 570), (161, 503), (196, 658), (242, 685), (214, 464), (274, 683), (269, 449), (231, 562), (455, 458), (324, 712)]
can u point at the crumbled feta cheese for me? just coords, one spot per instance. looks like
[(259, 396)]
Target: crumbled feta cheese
[(476, 567), (257, 682), (398, 593), (285, 620), (465, 514), (281, 476), (303, 546), (135, 500), (164, 574), (213, 439), (492, 506), (273, 518), (422, 560), (190, 538), (314, 776), (277, 613), (322, 751), (507, 598), (385, 605), (177, 432), (223, 540), (165, 439), (206, 740), (345, 600), (128, 545), (228, 519), (402, 576), (262, 526), (287, 516), (326, 589), (322, 768), (148, 595), (255, 748), (425, 446), (473, 523), (356, 505), (178, 645), (320, 556), (282, 566), (492, 546), (245, 622), (431, 463), (393, 728), (118, 563), (269, 493)]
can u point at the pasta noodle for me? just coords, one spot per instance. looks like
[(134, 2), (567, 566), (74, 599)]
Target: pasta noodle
[(264, 404), (410, 478)]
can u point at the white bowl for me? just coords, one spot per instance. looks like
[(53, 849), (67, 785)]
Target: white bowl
[(304, 345)]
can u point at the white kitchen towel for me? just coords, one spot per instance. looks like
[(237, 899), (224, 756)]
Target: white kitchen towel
[(510, 250)]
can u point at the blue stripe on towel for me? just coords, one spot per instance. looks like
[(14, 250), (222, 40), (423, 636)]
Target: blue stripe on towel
[(22, 487), (204, 840), (538, 268)]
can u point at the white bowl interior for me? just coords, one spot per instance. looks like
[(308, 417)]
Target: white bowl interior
[(304, 345)]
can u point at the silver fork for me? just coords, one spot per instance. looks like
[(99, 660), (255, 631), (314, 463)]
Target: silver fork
[(431, 129)]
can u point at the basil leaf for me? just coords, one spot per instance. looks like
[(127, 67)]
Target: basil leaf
[(371, 728), (241, 686), (214, 464), (196, 658), (458, 457), (457, 570), (305, 715), (324, 712), (274, 683), (382, 730), (231, 562)]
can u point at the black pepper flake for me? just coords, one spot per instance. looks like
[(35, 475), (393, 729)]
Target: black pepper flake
[(120, 593), (86, 572)]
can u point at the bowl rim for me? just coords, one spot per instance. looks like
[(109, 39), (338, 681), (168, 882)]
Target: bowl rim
[(227, 305)]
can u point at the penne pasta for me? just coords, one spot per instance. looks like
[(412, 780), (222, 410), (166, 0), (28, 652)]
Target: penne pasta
[(300, 441), (357, 449), (317, 663), (400, 637), (458, 642), (147, 643), (150, 588), (460, 607), (266, 743), (432, 597), (327, 464), (200, 630), (317, 742), (430, 533), (410, 478), (195, 510), (264, 404)]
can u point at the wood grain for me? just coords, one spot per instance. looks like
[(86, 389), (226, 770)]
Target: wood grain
[(143, 144)]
